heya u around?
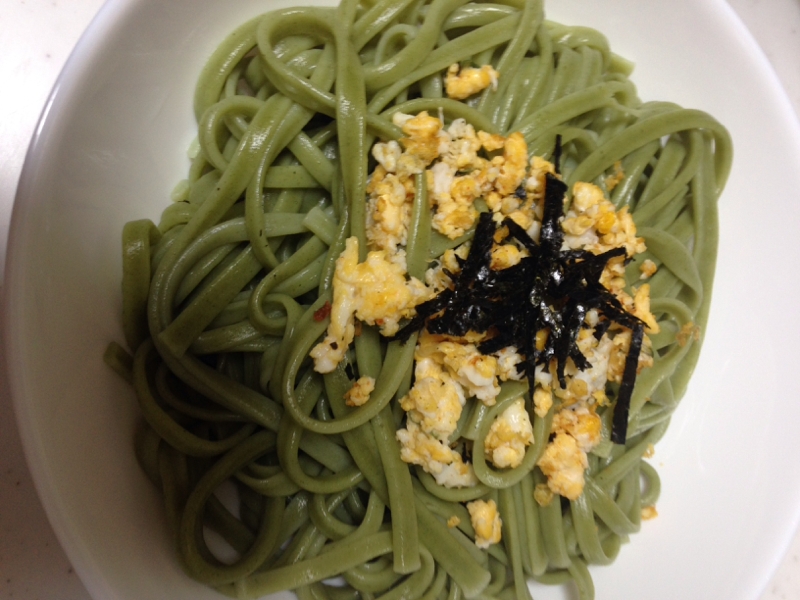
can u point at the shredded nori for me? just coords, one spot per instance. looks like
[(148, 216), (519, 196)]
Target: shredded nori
[(552, 289), (619, 427), (348, 370)]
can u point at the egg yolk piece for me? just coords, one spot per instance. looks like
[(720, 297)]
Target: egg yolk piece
[(509, 436), (486, 521), (376, 291)]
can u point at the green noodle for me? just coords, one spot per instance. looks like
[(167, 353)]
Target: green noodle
[(221, 303)]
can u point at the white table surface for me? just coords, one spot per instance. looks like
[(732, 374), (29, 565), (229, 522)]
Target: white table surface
[(36, 37)]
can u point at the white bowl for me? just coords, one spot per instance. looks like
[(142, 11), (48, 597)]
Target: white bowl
[(110, 147)]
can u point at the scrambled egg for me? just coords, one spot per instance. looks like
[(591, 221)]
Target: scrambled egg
[(543, 494), (648, 268), (508, 436), (448, 370), (542, 401), (584, 384), (359, 393), (435, 276), (435, 457), (580, 422), (424, 142), (486, 521), (649, 512), (641, 308), (535, 183), (564, 463), (513, 166), (453, 195), (388, 210), (507, 255), (687, 332), (475, 372), (577, 431), (507, 360), (463, 83), (456, 176), (592, 223), (576, 426), (376, 291), (461, 165), (615, 178), (435, 400)]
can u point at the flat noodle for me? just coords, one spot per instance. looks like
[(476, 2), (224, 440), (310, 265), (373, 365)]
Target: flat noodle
[(225, 299)]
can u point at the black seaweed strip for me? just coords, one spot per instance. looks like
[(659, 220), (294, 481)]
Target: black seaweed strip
[(551, 234), (619, 428), (601, 328), (580, 360), (424, 311), (586, 271), (518, 233), (557, 154), (565, 345), (480, 252), (550, 289), (467, 308), (613, 309)]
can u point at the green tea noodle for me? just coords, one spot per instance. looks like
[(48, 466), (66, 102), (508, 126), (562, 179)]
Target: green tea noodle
[(224, 298)]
